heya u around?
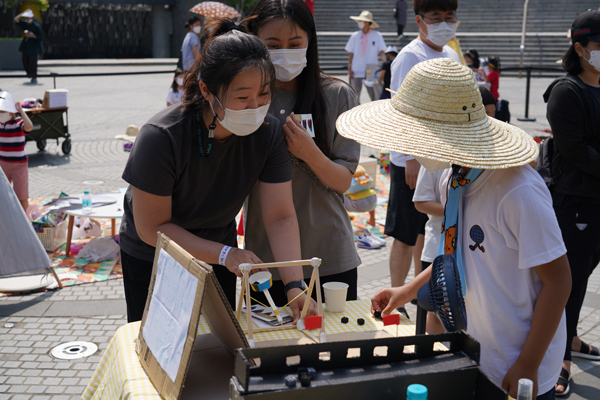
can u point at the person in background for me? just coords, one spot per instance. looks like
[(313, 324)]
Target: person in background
[(190, 49), (31, 46), (573, 110), (437, 26), (311, 6), (365, 46), (489, 102), (493, 75), (385, 75), (176, 92), (13, 158), (323, 165), (400, 15), (473, 62), (192, 167)]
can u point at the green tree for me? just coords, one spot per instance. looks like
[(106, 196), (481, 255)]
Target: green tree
[(243, 6)]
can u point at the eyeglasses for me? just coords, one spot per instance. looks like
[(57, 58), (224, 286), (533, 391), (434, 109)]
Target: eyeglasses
[(450, 19)]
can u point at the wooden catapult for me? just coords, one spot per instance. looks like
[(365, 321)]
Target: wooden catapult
[(262, 285)]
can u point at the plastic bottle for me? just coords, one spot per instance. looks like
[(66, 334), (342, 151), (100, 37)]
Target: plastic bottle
[(525, 391), (416, 392), (86, 202)]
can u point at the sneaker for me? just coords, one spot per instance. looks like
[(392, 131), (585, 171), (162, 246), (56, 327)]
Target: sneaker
[(33, 80), (367, 242), (377, 239)]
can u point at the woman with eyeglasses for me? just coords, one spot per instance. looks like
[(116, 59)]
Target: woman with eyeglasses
[(192, 166), (323, 165)]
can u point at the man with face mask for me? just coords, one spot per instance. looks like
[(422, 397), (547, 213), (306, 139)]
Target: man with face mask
[(437, 26), (31, 46), (364, 46)]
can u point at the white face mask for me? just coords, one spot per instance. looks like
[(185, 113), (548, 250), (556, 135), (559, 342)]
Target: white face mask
[(361, 24), (432, 165), (196, 29), (4, 117), (440, 34), (242, 122), (179, 81), (594, 58), (288, 63)]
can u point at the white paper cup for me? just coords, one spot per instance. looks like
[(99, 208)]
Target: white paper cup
[(335, 296)]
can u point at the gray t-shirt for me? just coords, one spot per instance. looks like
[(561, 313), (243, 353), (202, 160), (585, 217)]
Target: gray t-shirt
[(207, 192), (187, 54), (325, 227)]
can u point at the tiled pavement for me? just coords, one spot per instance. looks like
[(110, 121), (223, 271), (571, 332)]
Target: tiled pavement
[(93, 312)]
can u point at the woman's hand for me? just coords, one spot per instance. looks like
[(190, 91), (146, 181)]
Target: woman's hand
[(297, 305), (239, 256), (299, 142)]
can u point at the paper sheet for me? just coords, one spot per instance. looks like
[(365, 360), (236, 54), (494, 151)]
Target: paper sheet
[(170, 312)]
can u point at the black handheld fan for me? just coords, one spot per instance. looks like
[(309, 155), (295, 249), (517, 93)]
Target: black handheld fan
[(443, 294)]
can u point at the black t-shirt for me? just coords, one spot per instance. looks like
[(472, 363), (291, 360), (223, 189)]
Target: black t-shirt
[(207, 192), (596, 96), (388, 74)]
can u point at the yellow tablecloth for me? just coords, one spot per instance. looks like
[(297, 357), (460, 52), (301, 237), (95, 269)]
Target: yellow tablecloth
[(119, 375)]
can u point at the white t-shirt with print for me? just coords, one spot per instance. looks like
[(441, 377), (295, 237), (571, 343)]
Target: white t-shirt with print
[(412, 54), (174, 97), (507, 226), (375, 45), (428, 189)]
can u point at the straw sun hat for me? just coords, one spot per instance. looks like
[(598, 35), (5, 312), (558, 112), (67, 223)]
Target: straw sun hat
[(438, 115), (366, 16), (130, 134)]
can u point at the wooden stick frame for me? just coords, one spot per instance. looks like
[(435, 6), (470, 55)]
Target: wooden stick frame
[(245, 293)]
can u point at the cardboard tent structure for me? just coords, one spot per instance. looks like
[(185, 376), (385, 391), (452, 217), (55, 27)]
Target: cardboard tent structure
[(24, 264)]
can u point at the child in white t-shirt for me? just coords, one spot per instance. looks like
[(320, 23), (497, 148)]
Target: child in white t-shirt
[(175, 94), (516, 273)]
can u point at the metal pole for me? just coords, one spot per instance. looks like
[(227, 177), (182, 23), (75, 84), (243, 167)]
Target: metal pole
[(527, 90), (523, 31), (54, 75)]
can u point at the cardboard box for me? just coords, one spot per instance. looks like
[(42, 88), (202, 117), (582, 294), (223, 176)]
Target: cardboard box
[(55, 98)]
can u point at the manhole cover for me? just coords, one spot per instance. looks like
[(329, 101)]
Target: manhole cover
[(74, 350), (93, 182)]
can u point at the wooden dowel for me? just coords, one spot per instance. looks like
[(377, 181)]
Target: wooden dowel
[(309, 293), (297, 263)]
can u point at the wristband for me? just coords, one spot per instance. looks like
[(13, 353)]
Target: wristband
[(223, 255)]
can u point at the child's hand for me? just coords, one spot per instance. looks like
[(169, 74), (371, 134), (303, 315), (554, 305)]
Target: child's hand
[(387, 299), (19, 108), (510, 383)]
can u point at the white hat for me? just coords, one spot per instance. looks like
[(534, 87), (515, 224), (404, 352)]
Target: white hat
[(130, 134), (366, 16), (391, 49), (27, 14), (438, 115), (7, 102)]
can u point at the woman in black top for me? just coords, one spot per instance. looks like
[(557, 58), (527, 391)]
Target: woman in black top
[(192, 166), (573, 113)]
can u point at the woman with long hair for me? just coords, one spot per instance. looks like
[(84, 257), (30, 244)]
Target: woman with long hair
[(573, 110), (192, 166), (323, 165)]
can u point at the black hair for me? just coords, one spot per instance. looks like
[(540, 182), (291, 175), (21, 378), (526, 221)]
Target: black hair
[(571, 61), (227, 52), (473, 55), (486, 96), (424, 6), (311, 98), (494, 63), (191, 21), (174, 85)]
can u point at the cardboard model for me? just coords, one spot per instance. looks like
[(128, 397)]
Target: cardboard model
[(206, 360)]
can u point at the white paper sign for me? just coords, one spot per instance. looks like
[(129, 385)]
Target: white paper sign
[(170, 313)]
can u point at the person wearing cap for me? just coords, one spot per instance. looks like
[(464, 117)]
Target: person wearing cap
[(437, 26), (517, 280), (385, 74), (573, 110), (13, 159), (31, 46), (365, 46), (190, 49)]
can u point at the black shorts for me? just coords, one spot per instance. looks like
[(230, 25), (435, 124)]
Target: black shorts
[(403, 221)]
